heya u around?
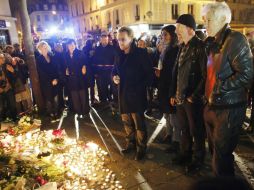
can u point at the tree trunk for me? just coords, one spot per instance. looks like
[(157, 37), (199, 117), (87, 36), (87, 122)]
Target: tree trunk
[(29, 52)]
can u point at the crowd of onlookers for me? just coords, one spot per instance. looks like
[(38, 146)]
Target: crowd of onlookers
[(198, 81)]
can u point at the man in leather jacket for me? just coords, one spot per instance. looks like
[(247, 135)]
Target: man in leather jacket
[(229, 76), (187, 93)]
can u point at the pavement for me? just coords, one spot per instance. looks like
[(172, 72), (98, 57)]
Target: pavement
[(155, 171)]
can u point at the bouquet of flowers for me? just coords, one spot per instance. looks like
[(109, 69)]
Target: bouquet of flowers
[(25, 122), (58, 137)]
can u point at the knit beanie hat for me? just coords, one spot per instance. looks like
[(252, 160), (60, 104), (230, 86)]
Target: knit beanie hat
[(187, 20)]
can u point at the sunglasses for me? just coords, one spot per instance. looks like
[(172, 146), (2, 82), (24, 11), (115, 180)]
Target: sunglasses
[(122, 39)]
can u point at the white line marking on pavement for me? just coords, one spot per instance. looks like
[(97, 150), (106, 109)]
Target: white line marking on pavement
[(158, 129), (250, 137), (142, 181), (244, 169)]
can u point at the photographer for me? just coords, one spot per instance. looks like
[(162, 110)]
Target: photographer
[(7, 98), (22, 91)]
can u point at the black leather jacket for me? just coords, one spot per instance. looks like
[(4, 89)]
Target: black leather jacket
[(194, 63), (234, 75)]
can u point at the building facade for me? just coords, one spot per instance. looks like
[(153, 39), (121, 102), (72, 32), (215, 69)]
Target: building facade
[(8, 31), (242, 15), (48, 17), (141, 15)]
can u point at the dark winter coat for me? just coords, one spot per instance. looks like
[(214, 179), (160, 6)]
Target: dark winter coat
[(21, 70), (165, 79), (193, 64), (76, 80), (47, 73), (88, 52), (135, 72), (234, 74), (104, 58)]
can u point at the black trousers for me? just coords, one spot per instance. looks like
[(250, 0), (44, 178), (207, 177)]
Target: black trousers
[(105, 86), (192, 129), (8, 104), (223, 129), (135, 128), (80, 101), (52, 105), (92, 91)]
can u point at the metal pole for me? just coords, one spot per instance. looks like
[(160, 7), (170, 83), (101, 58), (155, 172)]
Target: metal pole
[(159, 127), (111, 135), (64, 114), (76, 126)]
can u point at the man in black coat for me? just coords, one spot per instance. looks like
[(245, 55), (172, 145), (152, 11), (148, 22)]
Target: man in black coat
[(189, 86), (229, 76), (103, 62), (133, 73)]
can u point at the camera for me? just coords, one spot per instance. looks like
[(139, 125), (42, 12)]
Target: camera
[(3, 83)]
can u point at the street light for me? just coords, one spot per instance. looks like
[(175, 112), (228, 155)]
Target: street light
[(100, 2), (54, 12), (53, 30)]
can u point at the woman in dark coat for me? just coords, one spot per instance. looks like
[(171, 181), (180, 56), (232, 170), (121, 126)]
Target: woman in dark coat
[(49, 78), (164, 74), (133, 73), (77, 79)]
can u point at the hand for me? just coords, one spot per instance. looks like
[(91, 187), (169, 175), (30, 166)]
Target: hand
[(84, 70), (157, 73), (10, 68), (116, 79), (172, 101), (189, 99), (54, 82), (67, 72)]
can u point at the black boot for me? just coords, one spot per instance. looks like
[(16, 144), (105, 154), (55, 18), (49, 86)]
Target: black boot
[(181, 159), (129, 148), (195, 166), (140, 155)]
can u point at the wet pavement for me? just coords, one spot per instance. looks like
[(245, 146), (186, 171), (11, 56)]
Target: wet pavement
[(155, 171)]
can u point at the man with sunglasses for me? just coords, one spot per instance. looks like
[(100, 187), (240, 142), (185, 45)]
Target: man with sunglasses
[(132, 73)]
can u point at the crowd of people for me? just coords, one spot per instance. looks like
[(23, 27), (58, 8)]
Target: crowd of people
[(203, 84)]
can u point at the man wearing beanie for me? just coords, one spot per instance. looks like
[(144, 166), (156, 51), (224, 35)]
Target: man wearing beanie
[(187, 94)]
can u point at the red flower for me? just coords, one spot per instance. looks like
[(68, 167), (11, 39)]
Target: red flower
[(57, 132), (43, 182), (11, 132), (40, 180)]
